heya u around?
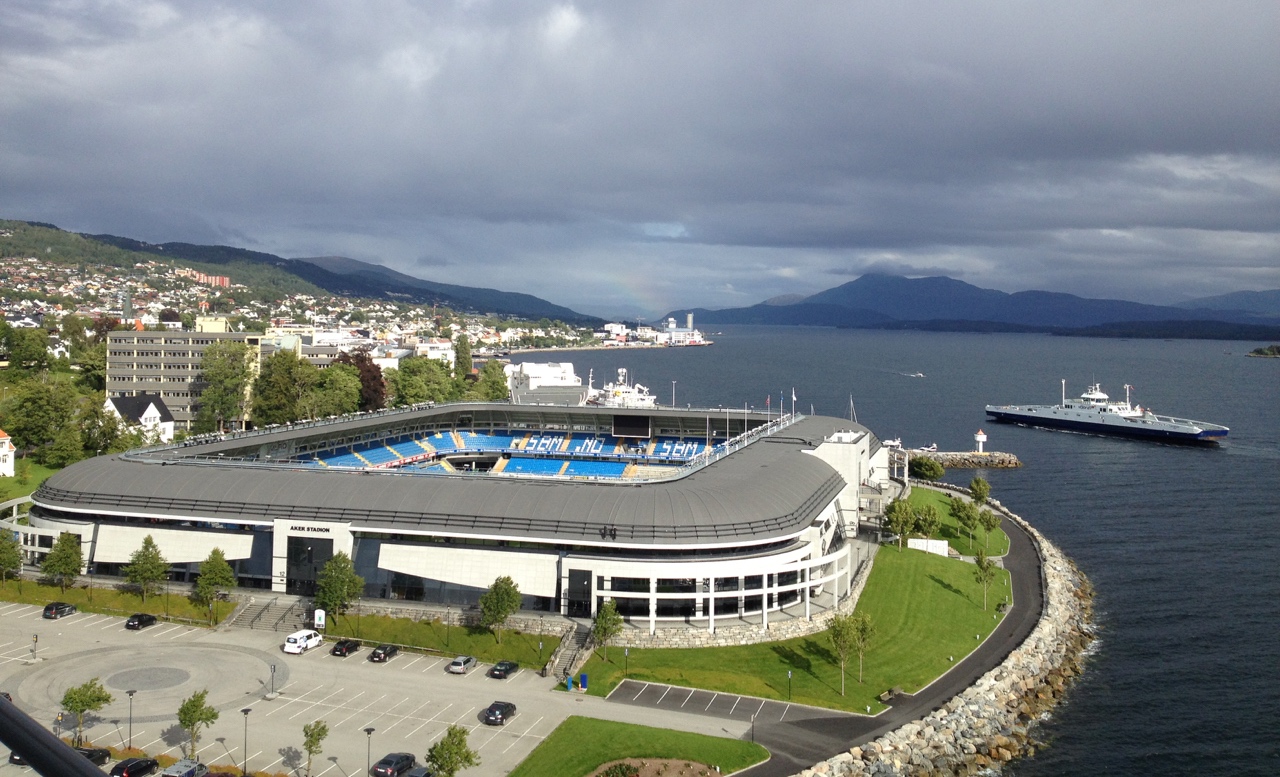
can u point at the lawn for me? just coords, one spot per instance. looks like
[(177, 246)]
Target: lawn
[(955, 536), (926, 610), (452, 640), (579, 745), (111, 601), (10, 488)]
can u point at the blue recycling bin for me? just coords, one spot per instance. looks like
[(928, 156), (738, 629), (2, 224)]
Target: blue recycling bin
[(583, 682)]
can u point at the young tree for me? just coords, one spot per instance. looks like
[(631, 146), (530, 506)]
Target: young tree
[(461, 358), (608, 624), (499, 603), (980, 490), (225, 371), (82, 699), (966, 514), (283, 382), (990, 522), (900, 519), (147, 567), (928, 521), (338, 585), (10, 556), (313, 736), (452, 754), (850, 634), (216, 577), (863, 632), (925, 468), (64, 561), (984, 572), (193, 715)]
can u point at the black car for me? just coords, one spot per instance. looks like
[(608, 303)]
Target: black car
[(140, 620), (135, 767), (14, 758), (504, 669), (96, 755), (58, 609), (345, 647), (499, 713), (393, 765), (384, 653)]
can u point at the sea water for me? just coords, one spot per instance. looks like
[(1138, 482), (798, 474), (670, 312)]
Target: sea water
[(1182, 543)]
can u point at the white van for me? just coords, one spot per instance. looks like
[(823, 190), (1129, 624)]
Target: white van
[(302, 641)]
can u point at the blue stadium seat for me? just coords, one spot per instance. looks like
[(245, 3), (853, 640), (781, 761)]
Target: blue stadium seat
[(596, 469), (534, 466)]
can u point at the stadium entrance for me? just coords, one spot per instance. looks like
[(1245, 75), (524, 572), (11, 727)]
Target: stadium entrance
[(307, 556)]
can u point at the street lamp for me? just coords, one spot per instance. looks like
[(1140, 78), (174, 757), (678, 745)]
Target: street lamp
[(131, 693), (788, 685), (368, 747), (448, 611), (167, 577), (273, 679), (673, 393), (626, 655), (245, 767)]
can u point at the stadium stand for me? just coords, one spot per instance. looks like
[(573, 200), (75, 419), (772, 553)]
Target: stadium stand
[(596, 469), (535, 466)]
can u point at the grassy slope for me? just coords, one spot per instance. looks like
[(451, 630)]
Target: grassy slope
[(110, 601), (454, 640), (10, 488), (955, 536), (579, 745), (925, 609)]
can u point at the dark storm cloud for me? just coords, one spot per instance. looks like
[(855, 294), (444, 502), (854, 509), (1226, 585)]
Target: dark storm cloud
[(642, 157)]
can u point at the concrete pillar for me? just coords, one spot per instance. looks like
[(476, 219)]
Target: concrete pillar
[(742, 599), (764, 604), (653, 606), (804, 575), (711, 603)]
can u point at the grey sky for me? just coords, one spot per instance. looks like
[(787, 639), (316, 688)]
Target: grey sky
[(636, 157)]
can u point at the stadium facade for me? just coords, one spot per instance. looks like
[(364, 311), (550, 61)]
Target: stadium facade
[(680, 515)]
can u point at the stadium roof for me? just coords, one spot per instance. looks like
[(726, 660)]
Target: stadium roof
[(768, 490)]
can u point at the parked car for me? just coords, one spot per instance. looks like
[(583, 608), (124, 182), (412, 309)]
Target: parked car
[(383, 653), (140, 620), (499, 713), (14, 758), (461, 665), (419, 771), (393, 765), (96, 755), (345, 647), (302, 641), (54, 610), (135, 767), (186, 768), (504, 669)]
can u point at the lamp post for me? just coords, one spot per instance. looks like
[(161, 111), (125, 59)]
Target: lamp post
[(673, 393), (245, 766), (130, 694), (273, 680), (788, 685), (167, 577), (448, 611), (368, 748), (540, 633), (626, 658)]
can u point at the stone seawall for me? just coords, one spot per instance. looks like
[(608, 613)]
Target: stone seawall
[(970, 459), (991, 722)]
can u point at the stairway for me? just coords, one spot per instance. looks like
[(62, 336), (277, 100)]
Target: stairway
[(276, 614), (570, 655)]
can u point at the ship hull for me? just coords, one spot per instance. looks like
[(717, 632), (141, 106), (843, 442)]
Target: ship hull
[(1190, 436)]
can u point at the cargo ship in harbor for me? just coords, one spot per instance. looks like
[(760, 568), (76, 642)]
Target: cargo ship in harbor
[(1094, 412)]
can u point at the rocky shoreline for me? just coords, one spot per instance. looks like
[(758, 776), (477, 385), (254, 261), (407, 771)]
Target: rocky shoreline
[(970, 459), (992, 722)]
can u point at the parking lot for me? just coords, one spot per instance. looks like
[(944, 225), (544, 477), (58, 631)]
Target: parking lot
[(408, 701)]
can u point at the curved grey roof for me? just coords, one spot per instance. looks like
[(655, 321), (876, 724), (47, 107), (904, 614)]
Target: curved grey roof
[(768, 490)]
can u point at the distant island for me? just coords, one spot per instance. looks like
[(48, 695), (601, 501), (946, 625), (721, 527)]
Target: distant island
[(1267, 352)]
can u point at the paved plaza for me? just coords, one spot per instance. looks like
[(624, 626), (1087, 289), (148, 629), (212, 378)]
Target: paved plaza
[(408, 702)]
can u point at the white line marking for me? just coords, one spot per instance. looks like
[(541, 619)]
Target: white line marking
[(686, 699), (762, 701), (314, 703), (179, 634), (403, 718), (362, 709), (714, 696), (109, 625), (425, 722), (663, 696), (291, 701), (414, 661), (784, 712), (434, 664), (642, 690), (526, 731), (735, 705)]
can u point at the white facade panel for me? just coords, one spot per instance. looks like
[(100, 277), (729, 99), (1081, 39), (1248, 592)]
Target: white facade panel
[(534, 573), (117, 543)]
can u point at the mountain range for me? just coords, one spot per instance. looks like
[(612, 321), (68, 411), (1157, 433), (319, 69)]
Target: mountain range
[(353, 278), (945, 304)]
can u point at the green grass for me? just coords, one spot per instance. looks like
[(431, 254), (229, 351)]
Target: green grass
[(955, 536), (925, 609), (453, 640), (579, 745), (10, 488), (111, 601)]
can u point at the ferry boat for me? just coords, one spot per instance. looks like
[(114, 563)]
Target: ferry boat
[(620, 393), (1095, 412)]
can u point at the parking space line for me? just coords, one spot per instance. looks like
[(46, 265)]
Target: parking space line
[(289, 701), (89, 619), (384, 713), (434, 664), (162, 632), (179, 634), (403, 718), (10, 642), (314, 703), (414, 661), (686, 699), (663, 696), (526, 731), (762, 701), (109, 625), (425, 722), (784, 712), (362, 709), (33, 612), (335, 763), (642, 690), (268, 766), (5, 607), (714, 696), (149, 744), (460, 717), (735, 705)]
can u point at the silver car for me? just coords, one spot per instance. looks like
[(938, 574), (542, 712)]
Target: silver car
[(461, 665)]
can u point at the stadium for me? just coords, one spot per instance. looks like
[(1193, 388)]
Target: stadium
[(679, 515)]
